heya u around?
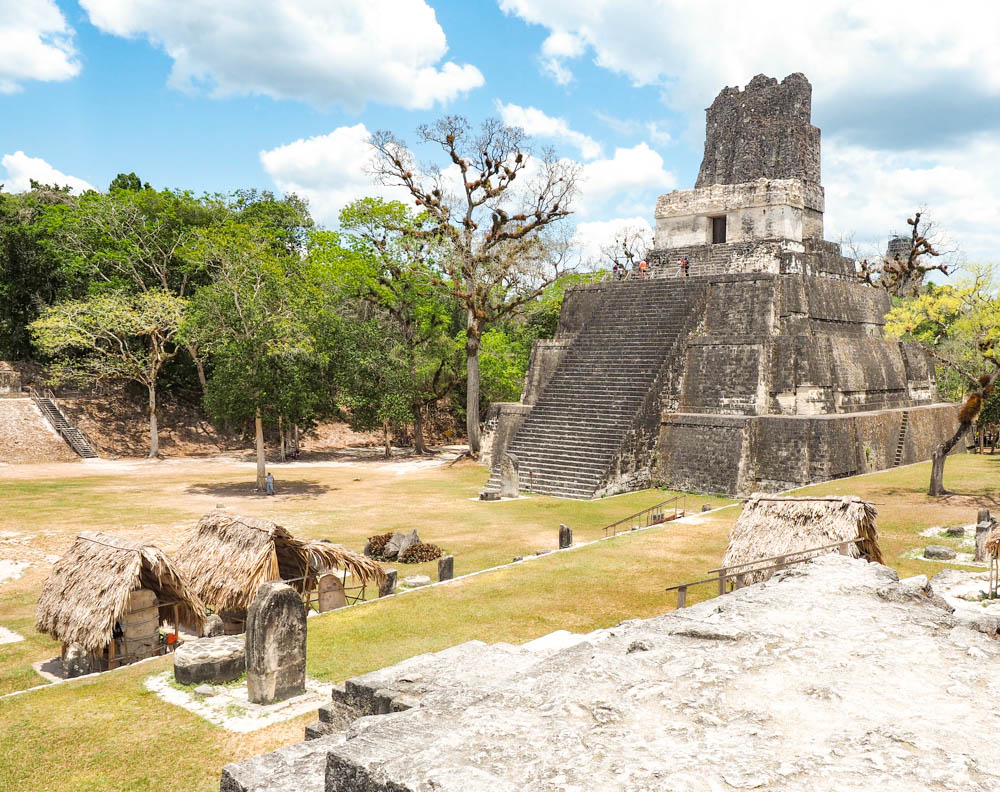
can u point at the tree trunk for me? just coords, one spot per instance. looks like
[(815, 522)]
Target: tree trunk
[(937, 461), (154, 434), (472, 385), (261, 461), (281, 439), (419, 447), (200, 367), (388, 439), (295, 440)]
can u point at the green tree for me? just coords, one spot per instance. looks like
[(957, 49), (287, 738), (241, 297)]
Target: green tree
[(496, 227), (960, 326), (113, 336), (264, 322), (387, 264), (30, 275), (127, 181), (134, 240)]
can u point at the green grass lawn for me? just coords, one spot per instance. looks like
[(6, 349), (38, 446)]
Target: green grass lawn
[(109, 733)]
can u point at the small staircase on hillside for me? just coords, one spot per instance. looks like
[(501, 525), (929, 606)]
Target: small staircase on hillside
[(570, 439), (74, 438), (901, 441)]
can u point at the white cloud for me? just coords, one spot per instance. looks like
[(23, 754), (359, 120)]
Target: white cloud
[(21, 169), (555, 49), (627, 183), (330, 170), (592, 237), (349, 52), (870, 193), (35, 44), (844, 47), (537, 123)]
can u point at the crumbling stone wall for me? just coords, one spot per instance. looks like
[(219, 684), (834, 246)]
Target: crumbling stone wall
[(761, 131)]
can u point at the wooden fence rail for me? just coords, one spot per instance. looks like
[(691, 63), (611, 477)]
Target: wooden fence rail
[(728, 578), (654, 515)]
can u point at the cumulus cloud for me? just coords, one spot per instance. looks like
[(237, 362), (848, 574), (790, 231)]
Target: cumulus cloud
[(348, 53), (627, 183), (537, 123), (21, 169), (871, 192), (35, 44), (591, 238), (854, 53), (330, 170)]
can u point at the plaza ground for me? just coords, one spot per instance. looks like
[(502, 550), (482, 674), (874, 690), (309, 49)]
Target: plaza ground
[(108, 732)]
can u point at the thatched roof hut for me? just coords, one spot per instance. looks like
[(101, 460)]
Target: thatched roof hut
[(90, 588), (771, 525), (227, 557)]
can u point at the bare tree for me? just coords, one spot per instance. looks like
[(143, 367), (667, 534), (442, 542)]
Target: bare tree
[(630, 246), (491, 207), (902, 268)]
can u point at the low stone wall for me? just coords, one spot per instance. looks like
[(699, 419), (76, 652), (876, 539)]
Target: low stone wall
[(503, 419), (546, 355), (769, 453)]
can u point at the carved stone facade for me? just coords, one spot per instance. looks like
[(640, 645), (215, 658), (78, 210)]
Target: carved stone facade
[(762, 368)]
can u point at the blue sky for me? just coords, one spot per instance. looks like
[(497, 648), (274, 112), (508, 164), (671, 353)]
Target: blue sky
[(213, 95)]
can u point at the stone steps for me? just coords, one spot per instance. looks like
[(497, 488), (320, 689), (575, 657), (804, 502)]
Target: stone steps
[(568, 442), (461, 674)]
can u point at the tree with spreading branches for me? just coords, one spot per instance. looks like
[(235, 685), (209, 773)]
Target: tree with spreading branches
[(113, 336), (495, 209), (960, 326), (630, 245), (903, 267)]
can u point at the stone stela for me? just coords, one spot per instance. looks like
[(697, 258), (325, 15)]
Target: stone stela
[(510, 486), (276, 644), (762, 367)]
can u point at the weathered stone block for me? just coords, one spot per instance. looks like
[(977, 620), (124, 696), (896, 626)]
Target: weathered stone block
[(331, 593), (565, 537), (388, 587), (276, 644), (446, 568), (407, 542), (215, 659), (212, 626), (939, 552)]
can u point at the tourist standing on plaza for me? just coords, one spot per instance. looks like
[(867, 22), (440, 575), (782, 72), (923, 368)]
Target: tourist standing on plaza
[(684, 266)]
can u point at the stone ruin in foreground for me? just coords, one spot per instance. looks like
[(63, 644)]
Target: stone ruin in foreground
[(833, 675), (764, 370)]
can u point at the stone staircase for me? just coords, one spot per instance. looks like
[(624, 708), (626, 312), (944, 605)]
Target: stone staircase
[(605, 386), (901, 441), (462, 674), (76, 439)]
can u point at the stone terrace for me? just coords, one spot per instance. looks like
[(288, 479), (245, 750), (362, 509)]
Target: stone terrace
[(834, 675)]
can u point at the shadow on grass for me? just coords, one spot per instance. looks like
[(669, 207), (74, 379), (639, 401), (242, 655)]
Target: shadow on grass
[(247, 489)]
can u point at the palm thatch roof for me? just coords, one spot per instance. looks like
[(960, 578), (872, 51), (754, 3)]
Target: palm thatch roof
[(993, 543), (227, 557), (89, 589), (770, 525)]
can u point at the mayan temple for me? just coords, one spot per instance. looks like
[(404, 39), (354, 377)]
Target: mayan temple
[(764, 368)]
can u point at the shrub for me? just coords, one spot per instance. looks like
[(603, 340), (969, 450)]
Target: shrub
[(420, 552), (376, 545)]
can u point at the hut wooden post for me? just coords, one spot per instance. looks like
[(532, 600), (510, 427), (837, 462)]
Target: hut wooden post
[(682, 593), (111, 654)]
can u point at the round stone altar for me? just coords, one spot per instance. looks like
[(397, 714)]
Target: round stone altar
[(217, 659)]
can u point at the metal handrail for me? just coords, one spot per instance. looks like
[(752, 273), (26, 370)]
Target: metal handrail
[(652, 510), (726, 574)]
